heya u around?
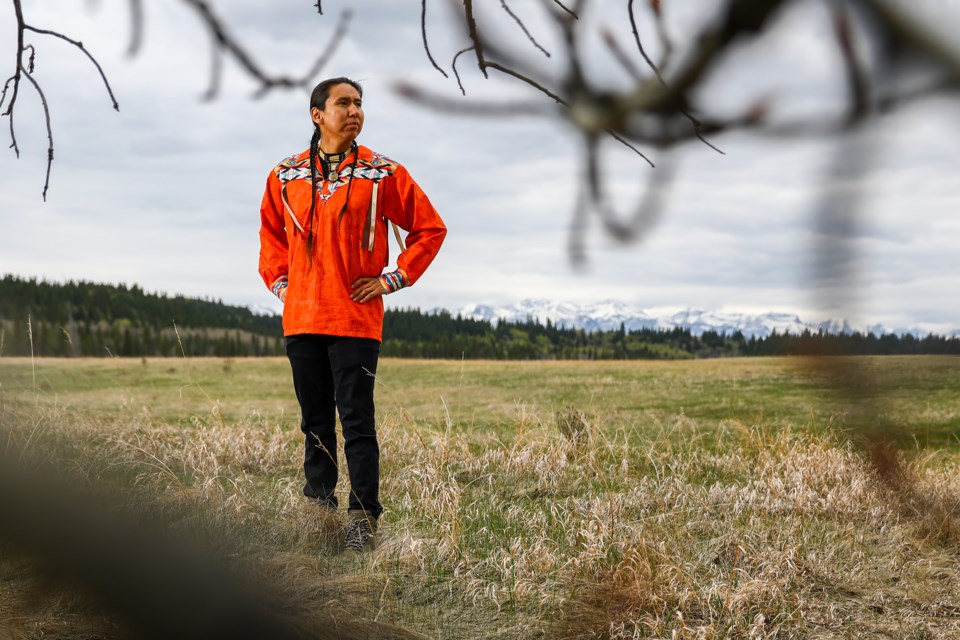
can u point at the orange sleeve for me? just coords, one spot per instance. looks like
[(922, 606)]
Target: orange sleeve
[(405, 204), (274, 264)]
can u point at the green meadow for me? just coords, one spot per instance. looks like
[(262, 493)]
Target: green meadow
[(726, 498)]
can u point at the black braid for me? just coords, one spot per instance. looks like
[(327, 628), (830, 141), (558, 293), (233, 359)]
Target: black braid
[(314, 143)]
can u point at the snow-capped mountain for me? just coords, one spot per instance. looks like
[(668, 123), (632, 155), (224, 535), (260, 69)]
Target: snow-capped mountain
[(596, 317), (610, 314)]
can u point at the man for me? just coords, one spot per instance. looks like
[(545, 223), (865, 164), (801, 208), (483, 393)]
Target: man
[(323, 250)]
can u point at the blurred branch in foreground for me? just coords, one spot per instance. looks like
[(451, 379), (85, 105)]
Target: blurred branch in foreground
[(154, 577), (882, 48), (888, 58)]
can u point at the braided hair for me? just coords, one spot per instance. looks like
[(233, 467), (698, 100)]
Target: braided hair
[(318, 100)]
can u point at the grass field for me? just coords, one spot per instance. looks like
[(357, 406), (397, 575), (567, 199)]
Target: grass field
[(694, 499)]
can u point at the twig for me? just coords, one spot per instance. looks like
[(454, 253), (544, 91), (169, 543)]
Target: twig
[(18, 10), (636, 37), (32, 59), (629, 146), (452, 66), (562, 6), (530, 81), (79, 45), (423, 33), (471, 108), (655, 6), (533, 83), (6, 85), (503, 3), (742, 16), (475, 36), (46, 115)]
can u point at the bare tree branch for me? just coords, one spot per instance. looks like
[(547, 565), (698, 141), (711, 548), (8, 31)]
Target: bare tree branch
[(856, 75), (6, 86), (503, 3), (662, 32), (474, 36), (79, 45), (26, 71), (216, 73), (741, 17), (648, 211), (223, 39), (636, 36), (9, 114), (18, 10), (136, 27), (562, 6), (530, 81), (619, 139), (620, 55), (472, 108), (224, 44), (914, 36), (46, 115), (423, 33), (454, 67), (340, 31), (234, 49)]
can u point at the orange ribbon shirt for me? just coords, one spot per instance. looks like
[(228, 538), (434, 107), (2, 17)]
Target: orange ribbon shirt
[(350, 238)]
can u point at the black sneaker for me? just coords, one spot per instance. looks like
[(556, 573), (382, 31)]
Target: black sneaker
[(360, 534)]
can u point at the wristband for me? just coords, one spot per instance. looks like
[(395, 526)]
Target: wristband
[(279, 285), (394, 281)]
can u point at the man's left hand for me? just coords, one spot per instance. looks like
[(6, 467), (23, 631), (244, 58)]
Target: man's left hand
[(366, 289)]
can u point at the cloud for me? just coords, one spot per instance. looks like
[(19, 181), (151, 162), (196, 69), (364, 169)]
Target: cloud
[(166, 193)]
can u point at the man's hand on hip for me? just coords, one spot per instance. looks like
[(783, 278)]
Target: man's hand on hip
[(366, 289)]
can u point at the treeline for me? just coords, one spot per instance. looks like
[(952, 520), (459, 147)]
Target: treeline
[(412, 334), (89, 319), (79, 318)]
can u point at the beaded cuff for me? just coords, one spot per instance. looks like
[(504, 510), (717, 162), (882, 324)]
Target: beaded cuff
[(394, 281), (279, 285)]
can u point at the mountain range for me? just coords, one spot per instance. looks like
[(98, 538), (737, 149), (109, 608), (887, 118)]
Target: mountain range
[(610, 314)]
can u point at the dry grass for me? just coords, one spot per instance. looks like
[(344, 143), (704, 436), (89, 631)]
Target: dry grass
[(563, 517)]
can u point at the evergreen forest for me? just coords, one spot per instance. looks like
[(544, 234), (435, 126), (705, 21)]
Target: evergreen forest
[(79, 318)]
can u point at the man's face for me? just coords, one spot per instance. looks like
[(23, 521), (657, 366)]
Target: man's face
[(341, 119)]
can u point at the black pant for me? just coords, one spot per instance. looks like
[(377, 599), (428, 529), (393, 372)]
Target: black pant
[(331, 374)]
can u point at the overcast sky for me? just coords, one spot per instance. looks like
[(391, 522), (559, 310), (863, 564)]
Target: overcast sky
[(166, 193)]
